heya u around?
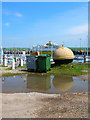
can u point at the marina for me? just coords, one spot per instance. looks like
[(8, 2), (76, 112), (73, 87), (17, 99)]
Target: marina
[(77, 58)]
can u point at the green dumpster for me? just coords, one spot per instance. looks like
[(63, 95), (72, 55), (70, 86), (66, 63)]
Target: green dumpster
[(44, 62)]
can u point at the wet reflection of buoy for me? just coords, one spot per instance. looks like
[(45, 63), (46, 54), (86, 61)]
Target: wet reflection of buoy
[(3, 80), (14, 76), (84, 80), (63, 83), (24, 77), (24, 80)]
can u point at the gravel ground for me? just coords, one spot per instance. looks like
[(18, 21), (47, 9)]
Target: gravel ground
[(3, 70), (39, 105), (84, 77)]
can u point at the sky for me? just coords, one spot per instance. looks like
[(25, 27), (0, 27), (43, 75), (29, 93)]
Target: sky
[(27, 24), (45, 0)]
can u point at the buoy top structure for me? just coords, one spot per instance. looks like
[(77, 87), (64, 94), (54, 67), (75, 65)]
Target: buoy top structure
[(62, 55)]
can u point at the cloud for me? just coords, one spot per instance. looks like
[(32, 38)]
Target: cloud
[(18, 14), (7, 24), (8, 13), (77, 30)]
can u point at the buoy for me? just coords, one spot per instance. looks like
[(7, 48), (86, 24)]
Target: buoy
[(63, 55)]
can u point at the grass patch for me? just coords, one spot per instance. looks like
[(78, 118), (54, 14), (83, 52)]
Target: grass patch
[(3, 66), (10, 74), (64, 69), (9, 68), (22, 67), (69, 69)]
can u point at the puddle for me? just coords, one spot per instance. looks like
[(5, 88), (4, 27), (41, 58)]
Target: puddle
[(42, 83)]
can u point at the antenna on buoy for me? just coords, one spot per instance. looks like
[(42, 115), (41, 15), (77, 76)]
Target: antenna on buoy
[(62, 45)]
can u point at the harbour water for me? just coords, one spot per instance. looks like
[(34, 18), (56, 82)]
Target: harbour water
[(43, 83), (80, 59)]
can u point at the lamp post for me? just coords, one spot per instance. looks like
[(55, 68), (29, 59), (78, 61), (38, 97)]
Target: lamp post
[(80, 43), (87, 45), (1, 55)]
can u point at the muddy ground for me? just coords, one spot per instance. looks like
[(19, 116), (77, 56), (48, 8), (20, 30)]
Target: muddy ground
[(39, 105)]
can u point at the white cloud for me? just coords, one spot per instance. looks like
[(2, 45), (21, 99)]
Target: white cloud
[(77, 30), (18, 14), (8, 13), (7, 24)]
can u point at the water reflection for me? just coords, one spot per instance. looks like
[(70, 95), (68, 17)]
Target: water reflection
[(24, 77), (38, 82), (43, 83), (63, 83), (3, 80)]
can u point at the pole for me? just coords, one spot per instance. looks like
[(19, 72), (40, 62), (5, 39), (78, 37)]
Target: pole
[(87, 45), (84, 57), (5, 60), (1, 55), (80, 43), (21, 62), (13, 64)]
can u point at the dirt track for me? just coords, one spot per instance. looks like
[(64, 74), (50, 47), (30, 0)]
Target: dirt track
[(39, 105), (3, 70)]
